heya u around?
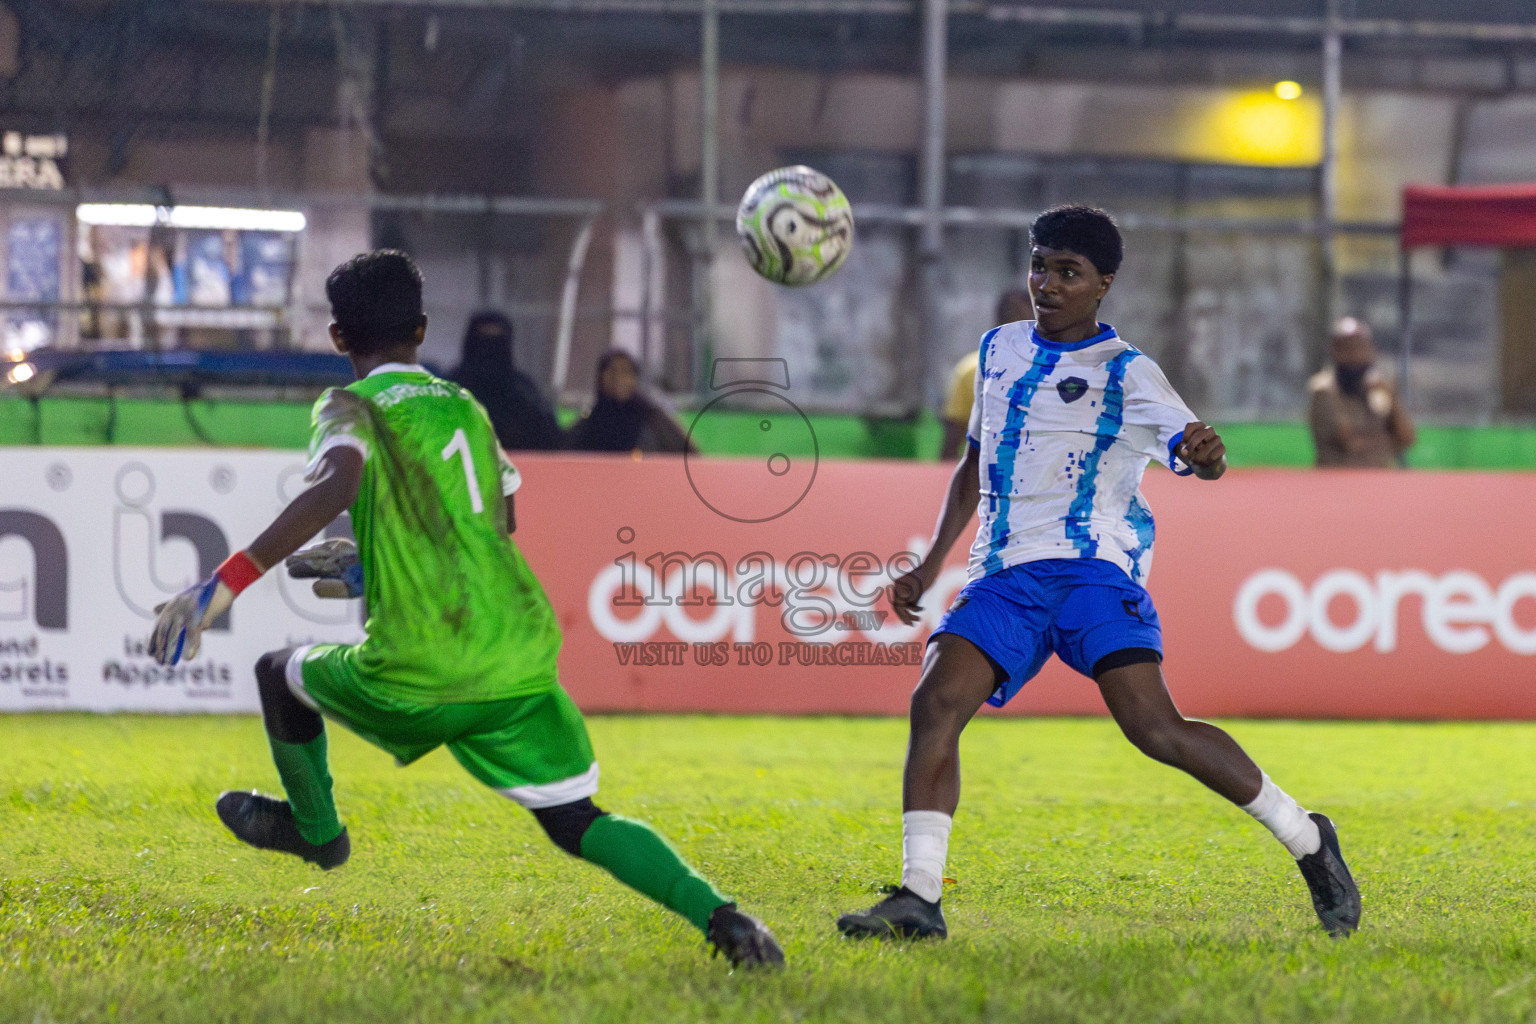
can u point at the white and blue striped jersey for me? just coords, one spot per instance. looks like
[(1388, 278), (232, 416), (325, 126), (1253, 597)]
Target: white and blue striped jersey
[(1065, 433)]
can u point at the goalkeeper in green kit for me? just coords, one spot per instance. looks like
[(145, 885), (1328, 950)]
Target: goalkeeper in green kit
[(461, 641)]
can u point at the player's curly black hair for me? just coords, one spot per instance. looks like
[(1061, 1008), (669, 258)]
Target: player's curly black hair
[(376, 300), (1085, 230)]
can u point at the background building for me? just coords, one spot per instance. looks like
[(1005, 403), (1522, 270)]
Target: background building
[(546, 158)]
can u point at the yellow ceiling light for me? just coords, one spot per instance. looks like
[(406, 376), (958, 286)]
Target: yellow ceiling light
[(1288, 90), (1255, 127)]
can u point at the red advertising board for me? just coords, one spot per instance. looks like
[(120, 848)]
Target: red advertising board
[(1282, 593)]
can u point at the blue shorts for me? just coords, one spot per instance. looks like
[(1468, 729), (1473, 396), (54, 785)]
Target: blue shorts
[(1082, 609)]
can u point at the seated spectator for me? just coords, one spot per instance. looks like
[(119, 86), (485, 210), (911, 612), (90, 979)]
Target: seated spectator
[(1014, 304), (520, 414), (1357, 417), (623, 418)]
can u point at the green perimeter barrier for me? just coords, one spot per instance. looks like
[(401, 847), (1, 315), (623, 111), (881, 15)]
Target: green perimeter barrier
[(171, 423), (154, 422)]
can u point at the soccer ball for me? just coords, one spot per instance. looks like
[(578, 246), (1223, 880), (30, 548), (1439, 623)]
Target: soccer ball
[(795, 225)]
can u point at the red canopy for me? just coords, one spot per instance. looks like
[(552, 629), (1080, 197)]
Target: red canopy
[(1495, 215)]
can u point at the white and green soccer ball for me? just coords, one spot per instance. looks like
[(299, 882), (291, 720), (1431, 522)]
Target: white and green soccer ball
[(795, 225)]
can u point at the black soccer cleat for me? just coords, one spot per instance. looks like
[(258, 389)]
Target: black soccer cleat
[(267, 824), (745, 941), (901, 915), (1335, 896)]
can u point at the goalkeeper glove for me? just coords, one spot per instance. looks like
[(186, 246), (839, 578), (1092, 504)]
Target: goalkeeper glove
[(333, 565), (179, 627)]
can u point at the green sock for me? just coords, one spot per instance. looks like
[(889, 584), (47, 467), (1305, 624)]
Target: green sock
[(634, 854), (307, 780)]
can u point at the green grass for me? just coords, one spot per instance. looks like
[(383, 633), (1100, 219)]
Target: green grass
[(1092, 885)]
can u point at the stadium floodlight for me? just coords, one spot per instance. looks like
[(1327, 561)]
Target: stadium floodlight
[(21, 373), (212, 218), (1288, 90)]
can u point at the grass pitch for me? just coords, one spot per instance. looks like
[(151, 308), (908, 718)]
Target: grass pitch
[(1092, 884)]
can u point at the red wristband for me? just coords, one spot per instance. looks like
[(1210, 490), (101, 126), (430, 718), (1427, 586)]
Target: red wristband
[(239, 571)]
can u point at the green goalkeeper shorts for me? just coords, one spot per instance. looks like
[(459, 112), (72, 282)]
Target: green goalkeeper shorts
[(532, 749)]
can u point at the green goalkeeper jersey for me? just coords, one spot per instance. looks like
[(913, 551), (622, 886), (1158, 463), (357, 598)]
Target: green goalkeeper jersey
[(455, 616)]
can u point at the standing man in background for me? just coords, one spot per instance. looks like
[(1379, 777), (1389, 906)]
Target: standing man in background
[(1357, 417), (1013, 305)]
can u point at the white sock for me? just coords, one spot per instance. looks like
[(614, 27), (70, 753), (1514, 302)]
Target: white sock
[(924, 845), (1283, 816)]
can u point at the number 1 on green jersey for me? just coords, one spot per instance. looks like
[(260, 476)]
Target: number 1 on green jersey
[(460, 444)]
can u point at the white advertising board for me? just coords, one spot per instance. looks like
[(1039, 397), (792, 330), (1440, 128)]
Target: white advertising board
[(92, 539)]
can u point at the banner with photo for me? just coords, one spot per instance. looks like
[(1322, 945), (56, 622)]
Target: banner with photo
[(736, 586)]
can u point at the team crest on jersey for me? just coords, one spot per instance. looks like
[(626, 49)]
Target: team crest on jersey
[(1071, 388)]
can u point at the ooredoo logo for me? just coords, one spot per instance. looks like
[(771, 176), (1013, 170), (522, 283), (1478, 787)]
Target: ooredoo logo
[(1344, 609)]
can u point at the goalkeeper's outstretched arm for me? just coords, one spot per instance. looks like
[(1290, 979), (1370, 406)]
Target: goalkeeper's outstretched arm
[(182, 619)]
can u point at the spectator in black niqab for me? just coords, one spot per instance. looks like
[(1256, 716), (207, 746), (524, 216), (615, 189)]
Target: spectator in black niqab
[(623, 418), (520, 414)]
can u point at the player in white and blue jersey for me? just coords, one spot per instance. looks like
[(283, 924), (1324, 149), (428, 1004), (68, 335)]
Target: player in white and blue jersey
[(1067, 416)]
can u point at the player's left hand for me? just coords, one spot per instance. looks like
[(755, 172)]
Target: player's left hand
[(1202, 449), (182, 619)]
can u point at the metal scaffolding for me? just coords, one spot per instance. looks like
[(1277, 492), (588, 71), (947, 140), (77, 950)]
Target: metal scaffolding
[(1129, 21)]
